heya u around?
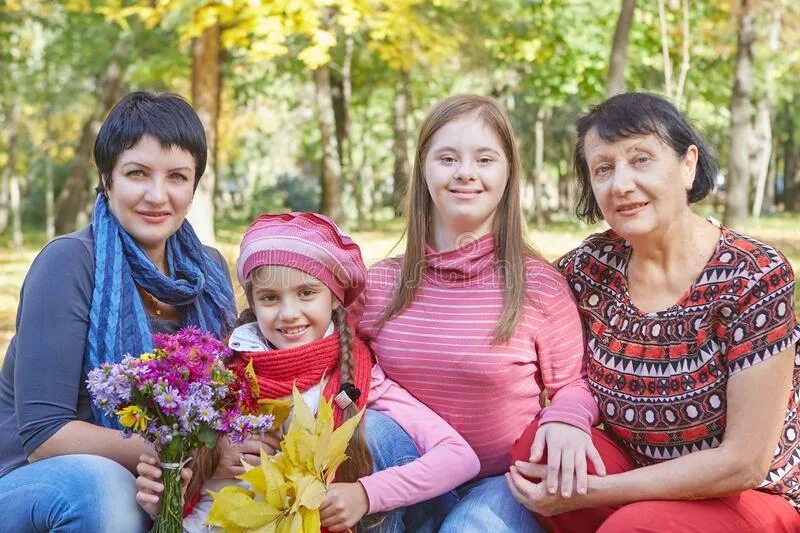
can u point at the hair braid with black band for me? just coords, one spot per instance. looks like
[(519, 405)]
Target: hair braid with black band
[(360, 463)]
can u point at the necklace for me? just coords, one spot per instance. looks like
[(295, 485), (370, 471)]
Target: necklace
[(154, 304)]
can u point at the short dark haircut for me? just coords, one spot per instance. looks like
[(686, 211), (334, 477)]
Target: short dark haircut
[(164, 116), (632, 114)]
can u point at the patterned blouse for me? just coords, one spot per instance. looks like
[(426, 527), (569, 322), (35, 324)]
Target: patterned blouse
[(660, 378)]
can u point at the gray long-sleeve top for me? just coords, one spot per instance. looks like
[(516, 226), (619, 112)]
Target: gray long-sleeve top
[(42, 383)]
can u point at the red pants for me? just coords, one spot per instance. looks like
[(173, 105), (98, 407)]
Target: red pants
[(749, 511)]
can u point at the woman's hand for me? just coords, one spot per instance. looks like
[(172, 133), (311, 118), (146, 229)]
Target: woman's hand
[(231, 455), (567, 450), (148, 488), (535, 496), (344, 505)]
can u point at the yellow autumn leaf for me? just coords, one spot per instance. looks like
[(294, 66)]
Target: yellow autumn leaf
[(312, 494), (321, 458), (254, 514), (280, 409), (315, 56), (298, 447), (225, 502), (297, 522), (271, 527), (311, 521), (341, 436), (332, 467), (274, 481), (287, 523), (250, 372), (255, 477), (289, 488), (324, 416), (301, 416), (300, 487)]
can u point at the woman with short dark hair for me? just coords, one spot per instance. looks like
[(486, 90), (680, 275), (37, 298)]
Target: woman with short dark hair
[(693, 344), (92, 296)]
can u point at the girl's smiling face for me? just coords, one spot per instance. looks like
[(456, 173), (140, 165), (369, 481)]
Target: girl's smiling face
[(292, 308), (466, 172)]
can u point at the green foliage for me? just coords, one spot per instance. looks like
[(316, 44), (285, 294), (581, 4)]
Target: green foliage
[(536, 56), (289, 193)]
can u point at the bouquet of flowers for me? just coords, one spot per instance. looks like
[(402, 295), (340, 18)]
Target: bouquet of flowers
[(178, 398), (287, 489)]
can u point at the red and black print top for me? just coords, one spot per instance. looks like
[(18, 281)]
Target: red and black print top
[(660, 378)]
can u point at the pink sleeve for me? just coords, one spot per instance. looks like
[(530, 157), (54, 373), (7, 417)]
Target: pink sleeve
[(446, 460), (561, 347)]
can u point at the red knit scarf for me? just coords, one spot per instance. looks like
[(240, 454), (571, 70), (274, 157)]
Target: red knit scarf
[(277, 370)]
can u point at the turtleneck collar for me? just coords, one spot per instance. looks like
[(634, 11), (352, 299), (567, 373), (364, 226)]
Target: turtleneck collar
[(472, 260)]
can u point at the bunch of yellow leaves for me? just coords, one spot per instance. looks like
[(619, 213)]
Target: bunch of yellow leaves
[(287, 489)]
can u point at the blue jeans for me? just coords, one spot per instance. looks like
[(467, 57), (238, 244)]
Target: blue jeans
[(71, 493), (391, 446), (479, 506), (487, 505)]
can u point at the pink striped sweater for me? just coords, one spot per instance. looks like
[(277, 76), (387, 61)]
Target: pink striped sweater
[(440, 350)]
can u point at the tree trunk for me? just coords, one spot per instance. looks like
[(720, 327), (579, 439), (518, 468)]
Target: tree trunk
[(400, 147), (5, 185), (762, 152), (16, 211), (763, 158), (662, 24), (206, 87), (791, 166), (538, 170), (49, 199), (342, 93), (347, 149), (772, 176), (331, 179), (12, 126), (49, 153), (684, 54), (365, 177), (75, 199), (738, 156), (615, 82)]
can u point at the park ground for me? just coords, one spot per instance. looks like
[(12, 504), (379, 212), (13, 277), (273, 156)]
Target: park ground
[(781, 231)]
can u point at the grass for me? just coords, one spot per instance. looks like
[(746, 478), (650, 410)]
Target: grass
[(781, 231)]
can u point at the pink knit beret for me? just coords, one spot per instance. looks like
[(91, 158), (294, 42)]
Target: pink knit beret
[(309, 242)]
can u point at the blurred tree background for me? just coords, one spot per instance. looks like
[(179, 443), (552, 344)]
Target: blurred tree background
[(314, 104)]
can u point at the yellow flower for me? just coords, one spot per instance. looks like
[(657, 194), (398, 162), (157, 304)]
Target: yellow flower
[(133, 417), (147, 357)]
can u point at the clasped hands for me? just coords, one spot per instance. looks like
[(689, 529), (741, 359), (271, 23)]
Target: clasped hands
[(568, 449)]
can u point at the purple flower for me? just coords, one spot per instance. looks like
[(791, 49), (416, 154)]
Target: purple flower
[(167, 399)]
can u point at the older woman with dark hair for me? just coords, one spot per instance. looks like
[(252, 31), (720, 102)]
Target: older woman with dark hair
[(692, 344), (93, 296)]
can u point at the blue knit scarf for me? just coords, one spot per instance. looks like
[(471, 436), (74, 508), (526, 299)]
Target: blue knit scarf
[(118, 323)]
